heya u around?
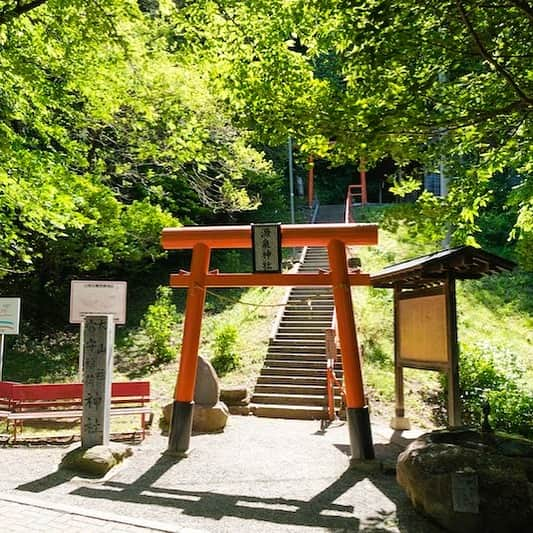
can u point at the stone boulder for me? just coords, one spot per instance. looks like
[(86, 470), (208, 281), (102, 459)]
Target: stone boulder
[(207, 389), (470, 482), (209, 414), (210, 419), (96, 461)]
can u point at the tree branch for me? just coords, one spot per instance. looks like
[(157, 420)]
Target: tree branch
[(19, 9), (488, 57)]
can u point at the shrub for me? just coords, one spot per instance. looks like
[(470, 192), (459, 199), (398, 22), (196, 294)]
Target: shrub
[(226, 358), (491, 374), (158, 324)]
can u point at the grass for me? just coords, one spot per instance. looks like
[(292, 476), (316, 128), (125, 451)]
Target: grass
[(495, 312)]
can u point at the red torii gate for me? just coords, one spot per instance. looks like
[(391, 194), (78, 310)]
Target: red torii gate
[(335, 237)]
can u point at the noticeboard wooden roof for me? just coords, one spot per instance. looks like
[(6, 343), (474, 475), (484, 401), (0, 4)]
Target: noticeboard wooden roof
[(464, 262)]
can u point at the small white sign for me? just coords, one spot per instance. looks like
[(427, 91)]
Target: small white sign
[(98, 298), (9, 316)]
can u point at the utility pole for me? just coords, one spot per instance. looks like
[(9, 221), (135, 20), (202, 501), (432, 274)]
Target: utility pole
[(291, 180)]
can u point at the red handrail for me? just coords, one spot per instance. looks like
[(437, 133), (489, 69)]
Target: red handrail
[(331, 378)]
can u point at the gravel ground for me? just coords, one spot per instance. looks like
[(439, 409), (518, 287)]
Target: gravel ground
[(260, 475)]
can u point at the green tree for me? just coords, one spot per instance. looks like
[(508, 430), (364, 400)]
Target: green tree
[(447, 82)]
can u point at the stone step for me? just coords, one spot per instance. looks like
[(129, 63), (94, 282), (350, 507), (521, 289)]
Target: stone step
[(306, 314), (298, 338), (296, 381), (295, 350), (295, 363), (310, 300), (289, 389), (293, 316), (281, 356), (313, 306), (293, 412), (305, 325), (290, 399), (292, 372), (314, 344), (303, 339)]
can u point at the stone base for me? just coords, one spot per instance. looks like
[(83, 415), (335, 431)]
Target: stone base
[(210, 419), (400, 423), (240, 410), (96, 461)]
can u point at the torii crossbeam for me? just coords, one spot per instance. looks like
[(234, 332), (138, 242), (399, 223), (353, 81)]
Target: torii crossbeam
[(333, 236)]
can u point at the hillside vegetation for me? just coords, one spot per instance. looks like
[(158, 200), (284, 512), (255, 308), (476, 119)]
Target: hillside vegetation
[(495, 318)]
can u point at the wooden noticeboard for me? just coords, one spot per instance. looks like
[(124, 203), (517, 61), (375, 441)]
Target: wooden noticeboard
[(423, 328)]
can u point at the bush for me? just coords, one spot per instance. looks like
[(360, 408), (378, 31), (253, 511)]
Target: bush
[(491, 374), (225, 359), (158, 323)]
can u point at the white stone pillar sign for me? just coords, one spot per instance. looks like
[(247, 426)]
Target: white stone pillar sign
[(99, 337)]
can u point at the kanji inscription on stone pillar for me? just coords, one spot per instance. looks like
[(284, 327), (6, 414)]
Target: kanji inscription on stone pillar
[(97, 378)]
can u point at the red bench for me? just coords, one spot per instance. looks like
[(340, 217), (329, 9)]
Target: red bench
[(6, 388), (65, 400)]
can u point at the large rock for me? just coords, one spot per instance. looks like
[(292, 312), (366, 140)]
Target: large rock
[(470, 482), (96, 461), (210, 419), (207, 389)]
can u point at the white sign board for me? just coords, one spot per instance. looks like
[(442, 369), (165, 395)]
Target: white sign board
[(98, 298), (9, 316)]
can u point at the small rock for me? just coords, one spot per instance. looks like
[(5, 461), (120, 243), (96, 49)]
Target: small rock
[(210, 419), (234, 396), (96, 461)]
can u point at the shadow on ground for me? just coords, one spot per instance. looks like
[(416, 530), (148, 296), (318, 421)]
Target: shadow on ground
[(321, 510)]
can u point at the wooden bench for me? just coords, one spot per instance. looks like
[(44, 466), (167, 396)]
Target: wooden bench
[(6, 388), (53, 401)]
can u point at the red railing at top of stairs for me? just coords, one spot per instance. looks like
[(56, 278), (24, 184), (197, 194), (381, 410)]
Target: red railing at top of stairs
[(356, 195)]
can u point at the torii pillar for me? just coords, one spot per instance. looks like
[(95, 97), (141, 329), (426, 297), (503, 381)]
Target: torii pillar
[(335, 237)]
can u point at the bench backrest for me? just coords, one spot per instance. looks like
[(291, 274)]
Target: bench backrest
[(132, 389), (74, 391), (6, 393), (6, 388), (47, 391)]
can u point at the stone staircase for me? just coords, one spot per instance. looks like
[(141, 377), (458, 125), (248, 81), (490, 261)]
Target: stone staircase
[(292, 383)]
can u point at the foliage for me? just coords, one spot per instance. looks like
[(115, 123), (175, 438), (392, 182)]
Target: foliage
[(159, 324), (52, 358), (106, 136), (225, 357), (493, 375), (447, 83)]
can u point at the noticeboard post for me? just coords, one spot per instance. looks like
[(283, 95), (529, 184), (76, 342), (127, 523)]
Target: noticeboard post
[(9, 323), (94, 297)]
